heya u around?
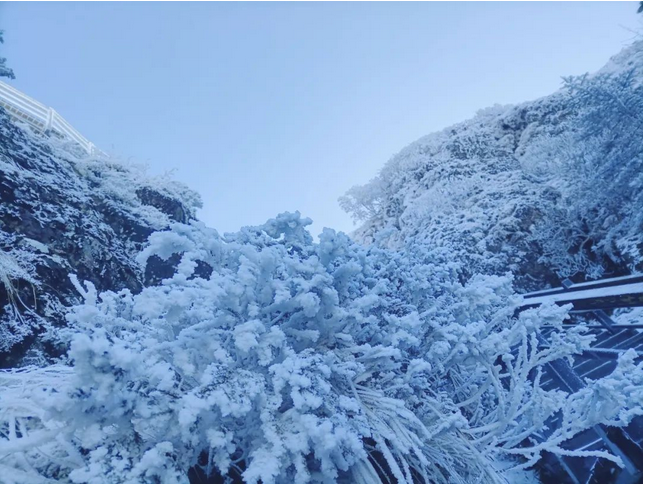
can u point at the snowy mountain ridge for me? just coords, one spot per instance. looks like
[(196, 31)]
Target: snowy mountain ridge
[(514, 187)]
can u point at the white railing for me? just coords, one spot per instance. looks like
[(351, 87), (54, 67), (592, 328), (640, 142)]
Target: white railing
[(40, 117)]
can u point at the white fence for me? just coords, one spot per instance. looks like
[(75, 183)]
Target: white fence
[(39, 116)]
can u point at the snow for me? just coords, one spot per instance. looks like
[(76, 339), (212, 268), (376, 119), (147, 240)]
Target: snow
[(295, 361), (291, 355), (64, 212), (630, 289), (552, 186)]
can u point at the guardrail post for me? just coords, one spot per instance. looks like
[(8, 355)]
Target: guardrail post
[(50, 119)]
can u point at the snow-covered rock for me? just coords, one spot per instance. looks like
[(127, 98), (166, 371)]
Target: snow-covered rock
[(64, 213)]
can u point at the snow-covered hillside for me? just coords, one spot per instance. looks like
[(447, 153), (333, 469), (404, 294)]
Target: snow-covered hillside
[(293, 362), (548, 188), (63, 213), (145, 347)]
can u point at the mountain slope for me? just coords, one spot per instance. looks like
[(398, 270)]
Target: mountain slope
[(264, 356), (64, 213), (545, 189)]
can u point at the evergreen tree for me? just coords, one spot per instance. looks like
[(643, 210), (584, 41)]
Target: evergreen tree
[(4, 70)]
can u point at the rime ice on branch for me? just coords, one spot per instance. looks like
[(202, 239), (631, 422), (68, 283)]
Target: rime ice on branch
[(284, 360)]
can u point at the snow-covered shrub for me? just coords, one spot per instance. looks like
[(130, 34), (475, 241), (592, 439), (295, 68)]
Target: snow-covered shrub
[(269, 357)]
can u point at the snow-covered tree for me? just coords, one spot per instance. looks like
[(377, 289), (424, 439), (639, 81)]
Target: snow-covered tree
[(600, 174), (546, 189), (5, 71), (268, 357)]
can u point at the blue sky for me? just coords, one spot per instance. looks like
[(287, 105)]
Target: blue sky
[(268, 107)]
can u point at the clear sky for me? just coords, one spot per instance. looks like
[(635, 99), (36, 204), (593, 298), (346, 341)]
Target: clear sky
[(268, 107)]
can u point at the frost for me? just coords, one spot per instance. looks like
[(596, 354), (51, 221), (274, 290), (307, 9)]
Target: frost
[(549, 186), (263, 356), (63, 212), (295, 361)]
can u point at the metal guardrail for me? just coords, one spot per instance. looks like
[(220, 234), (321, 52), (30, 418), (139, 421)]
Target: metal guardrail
[(40, 117), (621, 292), (590, 300)]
